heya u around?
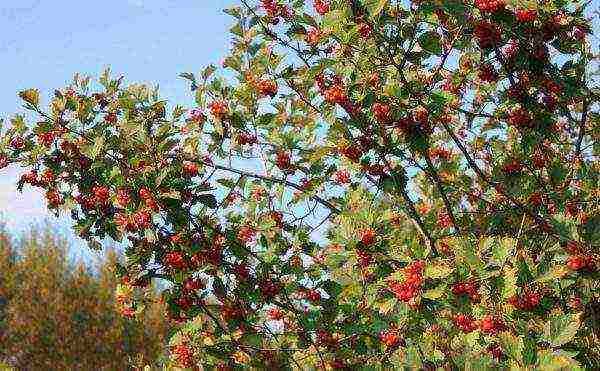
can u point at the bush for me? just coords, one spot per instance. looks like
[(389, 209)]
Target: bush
[(375, 183), (57, 315)]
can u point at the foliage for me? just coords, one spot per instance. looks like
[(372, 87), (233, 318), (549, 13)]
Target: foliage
[(380, 182), (54, 315)]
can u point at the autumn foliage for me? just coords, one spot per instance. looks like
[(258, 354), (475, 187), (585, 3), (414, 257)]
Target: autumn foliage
[(57, 315), (375, 183)]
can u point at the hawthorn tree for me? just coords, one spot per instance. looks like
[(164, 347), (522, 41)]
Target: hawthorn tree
[(375, 183)]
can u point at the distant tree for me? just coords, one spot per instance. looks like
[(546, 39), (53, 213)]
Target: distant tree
[(62, 316), (379, 183)]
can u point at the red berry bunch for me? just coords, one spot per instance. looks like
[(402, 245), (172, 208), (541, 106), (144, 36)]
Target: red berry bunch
[(467, 288), (367, 236), (218, 108), (581, 262), (101, 194), (246, 234), (491, 325), (444, 220), (465, 323), (391, 338), (440, 153), (381, 112), (53, 197), (514, 166), (283, 160), (269, 289), (275, 314), (18, 143), (364, 258), (245, 138), (413, 280), (342, 176), (3, 161), (321, 6), (313, 36), (46, 139), (487, 34), (123, 197), (487, 73), (183, 355), (490, 6), (190, 169), (267, 88), (175, 259), (364, 30), (142, 219), (526, 15), (527, 301)]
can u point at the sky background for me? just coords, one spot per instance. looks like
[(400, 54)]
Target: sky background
[(44, 43)]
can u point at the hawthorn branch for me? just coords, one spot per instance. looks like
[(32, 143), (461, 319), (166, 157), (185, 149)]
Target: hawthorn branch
[(582, 124), (242, 173)]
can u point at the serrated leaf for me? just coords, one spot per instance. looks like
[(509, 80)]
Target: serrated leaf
[(439, 270), (556, 361), (510, 283), (387, 306), (430, 41), (562, 329)]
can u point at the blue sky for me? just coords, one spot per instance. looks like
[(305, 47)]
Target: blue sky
[(44, 43)]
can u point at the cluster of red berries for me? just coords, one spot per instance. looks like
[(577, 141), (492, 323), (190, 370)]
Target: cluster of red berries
[(391, 338), (190, 169), (413, 280), (333, 91), (440, 153), (465, 323), (267, 88), (275, 314), (269, 289), (581, 262), (487, 34), (528, 300), (490, 6), (352, 152), (274, 10), (487, 73), (444, 220), (54, 198), (342, 176), (183, 355), (526, 15), (364, 30), (364, 258), (245, 138), (514, 166), (218, 108), (283, 160), (46, 139), (367, 236), (520, 118), (242, 272), (175, 259), (321, 6), (382, 113), (18, 143), (491, 325), (3, 161), (467, 288)]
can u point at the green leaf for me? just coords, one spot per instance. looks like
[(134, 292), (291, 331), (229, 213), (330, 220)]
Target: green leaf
[(556, 361), (502, 248), (208, 200), (562, 329), (512, 345), (430, 41), (439, 270)]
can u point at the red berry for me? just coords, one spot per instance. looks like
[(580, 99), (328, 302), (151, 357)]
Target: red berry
[(368, 237), (321, 6), (267, 88), (190, 169)]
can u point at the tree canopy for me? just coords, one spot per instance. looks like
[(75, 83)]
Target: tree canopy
[(361, 183)]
